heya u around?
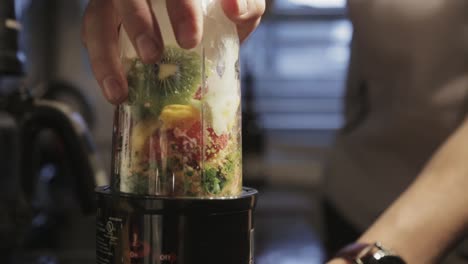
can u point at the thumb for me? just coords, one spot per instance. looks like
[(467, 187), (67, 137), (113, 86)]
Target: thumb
[(246, 14)]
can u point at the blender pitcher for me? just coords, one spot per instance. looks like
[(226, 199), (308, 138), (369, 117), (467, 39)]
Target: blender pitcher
[(179, 132), (176, 194)]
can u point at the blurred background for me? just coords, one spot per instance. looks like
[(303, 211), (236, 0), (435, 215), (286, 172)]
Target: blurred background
[(293, 69)]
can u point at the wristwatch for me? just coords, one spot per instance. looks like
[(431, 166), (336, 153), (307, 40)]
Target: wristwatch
[(361, 253)]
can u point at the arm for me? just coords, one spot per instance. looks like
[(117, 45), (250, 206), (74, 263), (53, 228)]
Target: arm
[(432, 214)]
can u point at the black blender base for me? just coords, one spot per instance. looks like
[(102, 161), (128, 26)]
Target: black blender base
[(163, 230)]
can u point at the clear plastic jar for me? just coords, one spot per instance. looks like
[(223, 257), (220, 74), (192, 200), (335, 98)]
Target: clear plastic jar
[(179, 132)]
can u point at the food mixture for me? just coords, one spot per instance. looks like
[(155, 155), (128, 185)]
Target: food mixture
[(169, 139)]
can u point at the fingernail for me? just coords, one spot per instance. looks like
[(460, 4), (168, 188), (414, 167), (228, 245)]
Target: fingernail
[(113, 90), (147, 48), (187, 35), (243, 6)]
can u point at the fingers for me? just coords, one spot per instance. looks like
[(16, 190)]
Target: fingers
[(245, 13), (187, 21), (142, 28), (100, 36)]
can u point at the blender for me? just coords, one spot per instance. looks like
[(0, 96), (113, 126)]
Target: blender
[(176, 194)]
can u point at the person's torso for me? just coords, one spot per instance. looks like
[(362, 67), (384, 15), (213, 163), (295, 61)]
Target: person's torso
[(411, 93)]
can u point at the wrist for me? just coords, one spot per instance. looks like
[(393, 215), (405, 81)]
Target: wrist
[(339, 261), (364, 253)]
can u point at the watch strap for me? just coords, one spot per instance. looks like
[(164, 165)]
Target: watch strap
[(362, 253), (352, 251)]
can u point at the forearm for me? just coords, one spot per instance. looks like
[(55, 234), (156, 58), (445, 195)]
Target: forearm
[(432, 214)]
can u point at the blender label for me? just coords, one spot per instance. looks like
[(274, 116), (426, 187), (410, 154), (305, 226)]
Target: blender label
[(139, 249), (168, 258), (106, 238)]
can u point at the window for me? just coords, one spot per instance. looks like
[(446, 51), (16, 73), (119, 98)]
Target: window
[(299, 57)]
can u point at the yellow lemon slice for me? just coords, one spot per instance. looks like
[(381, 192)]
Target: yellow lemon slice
[(181, 116)]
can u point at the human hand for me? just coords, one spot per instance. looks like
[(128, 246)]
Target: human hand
[(102, 18)]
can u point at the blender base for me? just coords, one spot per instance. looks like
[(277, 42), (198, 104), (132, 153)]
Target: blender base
[(167, 230)]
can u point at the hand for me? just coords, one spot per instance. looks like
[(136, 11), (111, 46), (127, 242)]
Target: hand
[(103, 17)]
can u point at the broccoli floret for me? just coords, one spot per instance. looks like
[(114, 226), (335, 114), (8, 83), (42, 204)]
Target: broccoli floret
[(213, 181)]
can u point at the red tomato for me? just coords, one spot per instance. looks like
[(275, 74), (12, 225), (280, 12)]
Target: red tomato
[(216, 144), (186, 143)]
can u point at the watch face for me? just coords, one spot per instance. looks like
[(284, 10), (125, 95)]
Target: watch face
[(391, 260)]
